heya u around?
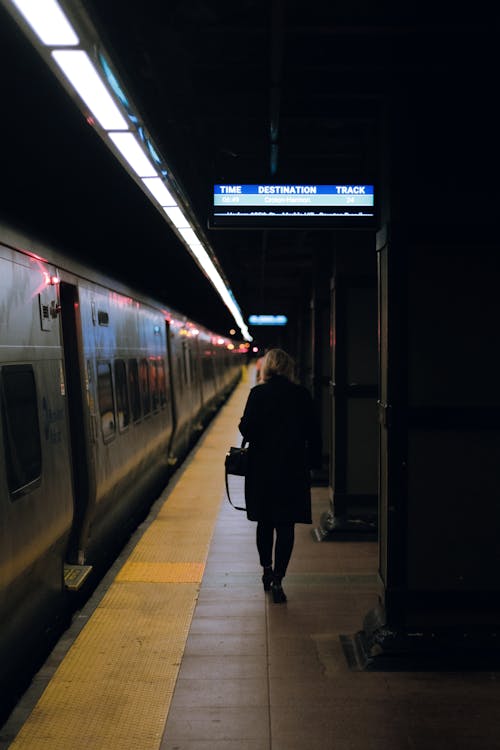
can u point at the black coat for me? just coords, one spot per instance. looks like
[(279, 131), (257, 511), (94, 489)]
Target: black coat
[(283, 436)]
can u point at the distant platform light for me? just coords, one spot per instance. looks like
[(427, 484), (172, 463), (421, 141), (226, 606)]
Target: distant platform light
[(268, 320)]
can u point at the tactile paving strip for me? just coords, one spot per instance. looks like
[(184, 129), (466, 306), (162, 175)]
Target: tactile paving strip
[(161, 572), (114, 687)]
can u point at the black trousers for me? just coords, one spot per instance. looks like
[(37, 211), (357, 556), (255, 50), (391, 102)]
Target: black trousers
[(285, 537)]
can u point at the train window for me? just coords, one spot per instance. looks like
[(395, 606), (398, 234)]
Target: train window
[(106, 402), (122, 407), (207, 367), (23, 454), (144, 386), (133, 389)]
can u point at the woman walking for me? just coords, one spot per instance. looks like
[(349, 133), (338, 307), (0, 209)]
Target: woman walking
[(279, 424)]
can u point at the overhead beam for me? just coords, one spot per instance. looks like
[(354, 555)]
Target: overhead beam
[(276, 65)]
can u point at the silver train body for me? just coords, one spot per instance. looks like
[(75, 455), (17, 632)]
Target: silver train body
[(102, 394)]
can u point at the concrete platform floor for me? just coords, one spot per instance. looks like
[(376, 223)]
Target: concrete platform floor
[(262, 676), (247, 674)]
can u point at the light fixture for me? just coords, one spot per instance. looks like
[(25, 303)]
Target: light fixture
[(76, 66), (127, 145), (48, 21), (189, 235), (103, 95), (159, 191), (176, 217), (268, 320)]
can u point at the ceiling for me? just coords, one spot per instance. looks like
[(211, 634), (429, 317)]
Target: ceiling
[(253, 91)]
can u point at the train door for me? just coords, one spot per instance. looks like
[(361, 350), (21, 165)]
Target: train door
[(201, 376), (197, 394), (199, 373), (175, 388), (79, 425), (170, 371), (190, 404)]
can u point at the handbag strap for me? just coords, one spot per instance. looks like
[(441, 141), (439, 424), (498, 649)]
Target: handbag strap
[(236, 507)]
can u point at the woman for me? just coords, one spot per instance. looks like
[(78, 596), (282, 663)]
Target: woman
[(279, 425)]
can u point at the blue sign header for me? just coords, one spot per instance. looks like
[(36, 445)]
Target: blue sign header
[(293, 189)]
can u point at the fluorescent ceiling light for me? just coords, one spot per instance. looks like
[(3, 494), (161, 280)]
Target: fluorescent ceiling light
[(176, 217), (127, 145), (50, 24), (212, 272), (78, 69), (204, 259), (48, 21), (189, 235), (159, 191)]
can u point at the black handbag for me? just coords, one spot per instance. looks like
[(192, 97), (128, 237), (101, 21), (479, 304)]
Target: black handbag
[(236, 463)]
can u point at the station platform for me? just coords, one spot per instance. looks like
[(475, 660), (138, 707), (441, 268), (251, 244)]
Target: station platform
[(180, 648)]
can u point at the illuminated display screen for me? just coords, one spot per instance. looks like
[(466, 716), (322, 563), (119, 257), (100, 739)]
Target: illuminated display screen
[(268, 320), (278, 206)]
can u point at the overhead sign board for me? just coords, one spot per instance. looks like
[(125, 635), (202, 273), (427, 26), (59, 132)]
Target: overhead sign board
[(288, 206), (268, 320)]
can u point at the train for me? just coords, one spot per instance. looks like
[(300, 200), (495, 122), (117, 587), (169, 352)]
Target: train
[(103, 393)]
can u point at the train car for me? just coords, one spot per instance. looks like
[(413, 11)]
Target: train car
[(102, 394)]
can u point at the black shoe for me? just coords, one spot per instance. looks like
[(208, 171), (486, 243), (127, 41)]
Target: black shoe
[(267, 579), (279, 596)]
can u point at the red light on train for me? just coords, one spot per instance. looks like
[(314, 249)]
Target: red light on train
[(51, 280)]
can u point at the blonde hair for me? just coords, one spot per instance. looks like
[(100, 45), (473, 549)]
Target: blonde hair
[(277, 362)]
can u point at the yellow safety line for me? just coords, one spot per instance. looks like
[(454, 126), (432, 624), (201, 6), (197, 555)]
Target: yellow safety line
[(114, 687), (161, 572)]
